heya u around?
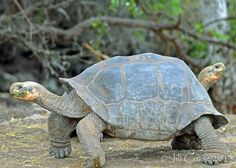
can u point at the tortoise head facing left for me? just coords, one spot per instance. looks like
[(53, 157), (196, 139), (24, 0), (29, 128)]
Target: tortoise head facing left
[(29, 91)]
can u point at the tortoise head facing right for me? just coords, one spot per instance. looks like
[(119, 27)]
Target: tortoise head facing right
[(211, 74)]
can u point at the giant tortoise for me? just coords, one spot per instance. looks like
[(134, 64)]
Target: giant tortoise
[(144, 97)]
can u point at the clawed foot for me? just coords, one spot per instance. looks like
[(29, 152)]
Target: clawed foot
[(95, 163), (213, 158), (60, 152)]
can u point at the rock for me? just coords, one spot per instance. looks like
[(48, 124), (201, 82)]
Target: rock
[(4, 112)]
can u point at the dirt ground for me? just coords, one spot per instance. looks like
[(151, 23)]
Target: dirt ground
[(24, 143)]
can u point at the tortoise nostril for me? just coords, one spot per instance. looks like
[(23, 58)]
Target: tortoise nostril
[(19, 87)]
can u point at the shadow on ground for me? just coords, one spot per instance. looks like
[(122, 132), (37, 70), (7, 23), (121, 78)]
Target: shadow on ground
[(24, 143)]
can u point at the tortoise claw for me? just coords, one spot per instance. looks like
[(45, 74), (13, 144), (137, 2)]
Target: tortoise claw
[(60, 152)]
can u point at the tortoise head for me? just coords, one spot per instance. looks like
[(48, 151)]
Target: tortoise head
[(28, 91), (211, 74)]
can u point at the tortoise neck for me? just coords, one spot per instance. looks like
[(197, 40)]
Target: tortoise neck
[(69, 104), (206, 87), (205, 84), (204, 79), (51, 101)]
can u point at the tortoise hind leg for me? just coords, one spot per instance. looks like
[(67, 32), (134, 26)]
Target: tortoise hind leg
[(186, 142), (213, 150), (89, 132), (59, 129)]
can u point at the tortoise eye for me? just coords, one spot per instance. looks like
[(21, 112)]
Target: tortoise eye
[(30, 89), (27, 88), (217, 66)]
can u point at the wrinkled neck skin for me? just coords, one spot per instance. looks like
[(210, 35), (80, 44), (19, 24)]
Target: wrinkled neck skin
[(205, 85), (70, 105)]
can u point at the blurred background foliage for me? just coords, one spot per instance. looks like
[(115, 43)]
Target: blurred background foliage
[(42, 40)]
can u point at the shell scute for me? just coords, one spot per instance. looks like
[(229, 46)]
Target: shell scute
[(107, 85), (141, 81)]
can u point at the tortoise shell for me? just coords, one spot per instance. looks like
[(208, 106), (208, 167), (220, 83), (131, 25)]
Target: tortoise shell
[(146, 91)]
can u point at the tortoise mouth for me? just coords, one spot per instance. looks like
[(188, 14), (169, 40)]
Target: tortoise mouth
[(220, 73), (19, 94)]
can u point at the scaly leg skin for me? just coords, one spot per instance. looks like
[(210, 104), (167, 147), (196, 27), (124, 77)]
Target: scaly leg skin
[(89, 132), (59, 129), (213, 150), (186, 142)]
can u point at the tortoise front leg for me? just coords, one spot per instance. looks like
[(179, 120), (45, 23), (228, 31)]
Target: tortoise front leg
[(185, 142), (213, 150), (89, 131), (59, 129)]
